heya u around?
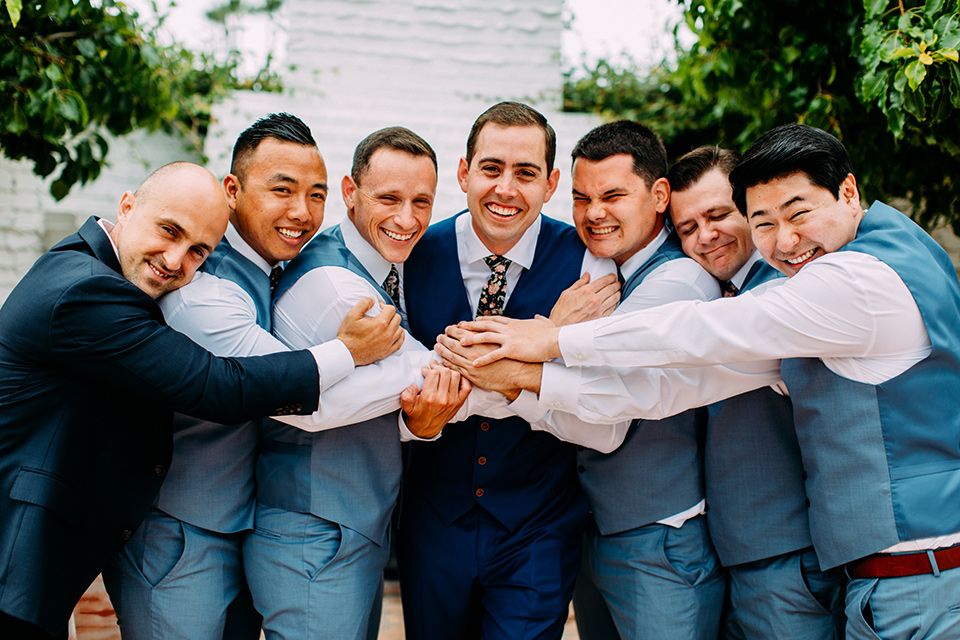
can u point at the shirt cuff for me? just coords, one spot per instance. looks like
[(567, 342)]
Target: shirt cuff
[(576, 344), (334, 363), (528, 407), (559, 388), (406, 435)]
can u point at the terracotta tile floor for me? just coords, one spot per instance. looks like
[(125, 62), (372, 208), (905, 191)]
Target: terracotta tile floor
[(95, 620)]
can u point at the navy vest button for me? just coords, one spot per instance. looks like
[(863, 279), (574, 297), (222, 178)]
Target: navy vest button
[(126, 534)]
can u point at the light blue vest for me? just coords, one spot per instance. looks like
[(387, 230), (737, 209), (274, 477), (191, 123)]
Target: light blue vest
[(211, 480), (658, 470), (349, 475), (755, 497), (883, 461)]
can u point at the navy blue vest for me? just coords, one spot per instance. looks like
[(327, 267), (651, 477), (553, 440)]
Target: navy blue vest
[(211, 481), (658, 470), (349, 475), (883, 461), (501, 465), (757, 503)]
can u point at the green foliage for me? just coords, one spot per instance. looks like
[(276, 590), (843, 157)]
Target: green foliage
[(881, 76), (73, 71)]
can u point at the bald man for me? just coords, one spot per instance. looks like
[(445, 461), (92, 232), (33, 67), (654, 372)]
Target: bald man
[(90, 376)]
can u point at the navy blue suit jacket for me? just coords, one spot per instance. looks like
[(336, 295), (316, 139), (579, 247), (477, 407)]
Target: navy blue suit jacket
[(89, 378)]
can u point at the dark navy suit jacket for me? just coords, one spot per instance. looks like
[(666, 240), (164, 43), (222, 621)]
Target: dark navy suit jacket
[(89, 378)]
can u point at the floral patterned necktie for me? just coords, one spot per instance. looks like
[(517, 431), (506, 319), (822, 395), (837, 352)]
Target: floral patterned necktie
[(391, 284), (275, 274), (493, 293)]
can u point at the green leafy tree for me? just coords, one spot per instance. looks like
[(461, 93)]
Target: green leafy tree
[(72, 71), (882, 76)]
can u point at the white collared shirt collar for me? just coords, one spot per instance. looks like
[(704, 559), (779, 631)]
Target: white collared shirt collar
[(472, 249), (240, 245), (375, 264), (107, 227), (741, 275), (637, 260)]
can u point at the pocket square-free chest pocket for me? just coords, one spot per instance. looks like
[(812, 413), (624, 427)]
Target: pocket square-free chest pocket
[(39, 487)]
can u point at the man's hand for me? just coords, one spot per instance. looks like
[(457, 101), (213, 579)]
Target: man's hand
[(371, 338), (586, 300), (427, 410), (508, 377), (534, 340)]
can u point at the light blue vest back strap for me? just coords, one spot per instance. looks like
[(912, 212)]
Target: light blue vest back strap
[(349, 475), (669, 250), (328, 250), (228, 263), (755, 496), (882, 461), (658, 470)]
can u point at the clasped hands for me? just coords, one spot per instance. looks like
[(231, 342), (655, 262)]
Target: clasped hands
[(504, 355)]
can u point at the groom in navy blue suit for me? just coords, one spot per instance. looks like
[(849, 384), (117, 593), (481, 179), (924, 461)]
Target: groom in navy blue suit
[(89, 378)]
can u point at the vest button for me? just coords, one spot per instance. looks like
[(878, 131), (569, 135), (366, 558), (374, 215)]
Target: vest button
[(485, 426), (479, 493), (581, 468), (159, 471), (481, 460), (803, 475), (126, 534), (807, 501)]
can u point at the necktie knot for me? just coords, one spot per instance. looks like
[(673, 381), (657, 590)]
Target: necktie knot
[(275, 274), (494, 292), (391, 284), (728, 289)]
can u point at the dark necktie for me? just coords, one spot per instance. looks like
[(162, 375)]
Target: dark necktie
[(494, 292), (275, 277), (391, 284), (620, 277), (728, 288)]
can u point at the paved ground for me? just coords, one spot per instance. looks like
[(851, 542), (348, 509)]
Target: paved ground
[(95, 619)]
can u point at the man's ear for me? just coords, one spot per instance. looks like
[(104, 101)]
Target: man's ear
[(231, 187), (127, 201), (462, 170), (552, 181), (348, 188), (850, 193), (661, 194)]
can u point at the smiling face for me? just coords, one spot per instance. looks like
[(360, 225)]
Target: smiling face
[(615, 212), (278, 203), (507, 183), (794, 221), (391, 206), (711, 228), (168, 229)]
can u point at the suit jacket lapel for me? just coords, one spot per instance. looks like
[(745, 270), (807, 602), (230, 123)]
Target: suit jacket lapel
[(100, 245)]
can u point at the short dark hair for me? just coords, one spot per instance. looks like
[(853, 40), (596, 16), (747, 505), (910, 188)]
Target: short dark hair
[(787, 150), (279, 126), (695, 164), (514, 114), (396, 138), (626, 137)]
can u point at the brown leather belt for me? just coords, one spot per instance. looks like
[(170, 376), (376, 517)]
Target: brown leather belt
[(885, 565)]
